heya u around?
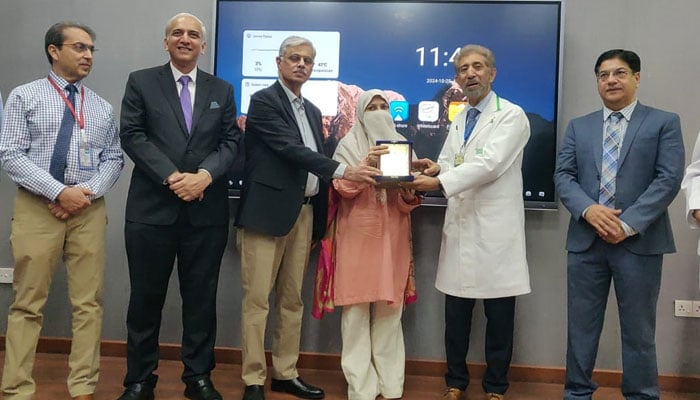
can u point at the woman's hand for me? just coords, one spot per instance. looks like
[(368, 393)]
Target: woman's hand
[(375, 152)]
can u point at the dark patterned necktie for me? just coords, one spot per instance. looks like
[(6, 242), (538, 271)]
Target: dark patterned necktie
[(57, 168)]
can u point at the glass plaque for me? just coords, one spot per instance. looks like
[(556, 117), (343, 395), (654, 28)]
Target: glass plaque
[(396, 165)]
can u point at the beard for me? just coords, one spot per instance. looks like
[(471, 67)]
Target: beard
[(474, 93)]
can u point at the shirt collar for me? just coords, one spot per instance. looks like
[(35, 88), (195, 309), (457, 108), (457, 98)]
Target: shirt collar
[(62, 83), (177, 74), (290, 95), (626, 111), (481, 106)]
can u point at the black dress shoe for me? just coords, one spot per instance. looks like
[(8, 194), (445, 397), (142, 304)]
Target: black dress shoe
[(298, 388), (138, 391), (202, 389), (254, 392)]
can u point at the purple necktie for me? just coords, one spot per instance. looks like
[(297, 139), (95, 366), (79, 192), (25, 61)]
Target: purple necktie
[(186, 101)]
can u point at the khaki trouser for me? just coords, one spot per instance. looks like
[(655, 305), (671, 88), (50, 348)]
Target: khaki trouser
[(273, 263), (38, 239), (373, 356)]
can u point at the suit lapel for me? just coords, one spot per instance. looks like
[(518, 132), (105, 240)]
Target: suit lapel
[(597, 139), (200, 98), (286, 105), (166, 80), (314, 122), (311, 114), (638, 116)]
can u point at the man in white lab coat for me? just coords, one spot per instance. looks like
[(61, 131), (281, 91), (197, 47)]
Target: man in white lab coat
[(482, 255), (691, 187)]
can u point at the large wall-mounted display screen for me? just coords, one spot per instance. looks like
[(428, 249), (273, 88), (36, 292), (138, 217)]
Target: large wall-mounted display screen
[(406, 49)]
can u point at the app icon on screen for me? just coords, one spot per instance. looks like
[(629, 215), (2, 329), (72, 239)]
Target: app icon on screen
[(428, 111), (399, 110), (454, 108)]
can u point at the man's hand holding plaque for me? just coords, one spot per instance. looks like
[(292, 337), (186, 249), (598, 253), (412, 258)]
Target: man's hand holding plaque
[(425, 166), (425, 171)]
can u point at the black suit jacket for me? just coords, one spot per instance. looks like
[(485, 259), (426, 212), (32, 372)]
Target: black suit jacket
[(153, 133), (277, 164)]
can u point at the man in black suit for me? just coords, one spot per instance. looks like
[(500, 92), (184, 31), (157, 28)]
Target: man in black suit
[(284, 200), (178, 125)]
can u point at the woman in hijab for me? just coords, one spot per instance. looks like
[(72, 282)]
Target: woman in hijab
[(372, 259)]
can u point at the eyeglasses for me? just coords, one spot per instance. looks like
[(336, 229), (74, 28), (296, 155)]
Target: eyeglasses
[(464, 70), (620, 73), (80, 47), (295, 58)]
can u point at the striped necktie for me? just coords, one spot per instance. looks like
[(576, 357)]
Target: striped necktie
[(611, 152)]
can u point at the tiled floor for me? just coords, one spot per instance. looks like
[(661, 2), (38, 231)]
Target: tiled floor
[(51, 371)]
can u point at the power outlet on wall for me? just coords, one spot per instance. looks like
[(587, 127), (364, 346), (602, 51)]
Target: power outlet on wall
[(696, 309), (6, 275), (683, 308)]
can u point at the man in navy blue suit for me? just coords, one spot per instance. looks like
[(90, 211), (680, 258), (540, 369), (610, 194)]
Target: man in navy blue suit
[(617, 171)]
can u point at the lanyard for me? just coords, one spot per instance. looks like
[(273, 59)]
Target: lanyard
[(81, 120)]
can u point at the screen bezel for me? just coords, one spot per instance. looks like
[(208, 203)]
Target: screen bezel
[(436, 198)]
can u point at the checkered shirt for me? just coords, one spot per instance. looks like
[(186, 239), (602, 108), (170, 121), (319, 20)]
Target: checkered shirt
[(30, 125)]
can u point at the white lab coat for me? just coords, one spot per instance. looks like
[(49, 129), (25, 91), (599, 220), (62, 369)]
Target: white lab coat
[(691, 187), (482, 254)]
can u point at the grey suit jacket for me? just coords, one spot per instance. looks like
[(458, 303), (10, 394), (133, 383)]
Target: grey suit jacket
[(650, 170), (154, 135)]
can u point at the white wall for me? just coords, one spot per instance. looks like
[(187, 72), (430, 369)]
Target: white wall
[(130, 36)]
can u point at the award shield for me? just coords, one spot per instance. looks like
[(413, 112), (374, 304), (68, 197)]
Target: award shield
[(395, 166)]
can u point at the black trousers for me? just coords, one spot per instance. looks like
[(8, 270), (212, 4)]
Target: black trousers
[(151, 252), (500, 313)]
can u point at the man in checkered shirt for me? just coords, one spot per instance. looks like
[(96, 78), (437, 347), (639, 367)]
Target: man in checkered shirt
[(63, 157)]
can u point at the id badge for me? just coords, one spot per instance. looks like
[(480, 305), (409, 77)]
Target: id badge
[(459, 156), (85, 153)]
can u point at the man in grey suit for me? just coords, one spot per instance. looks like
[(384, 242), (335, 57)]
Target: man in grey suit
[(178, 125), (617, 171)]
